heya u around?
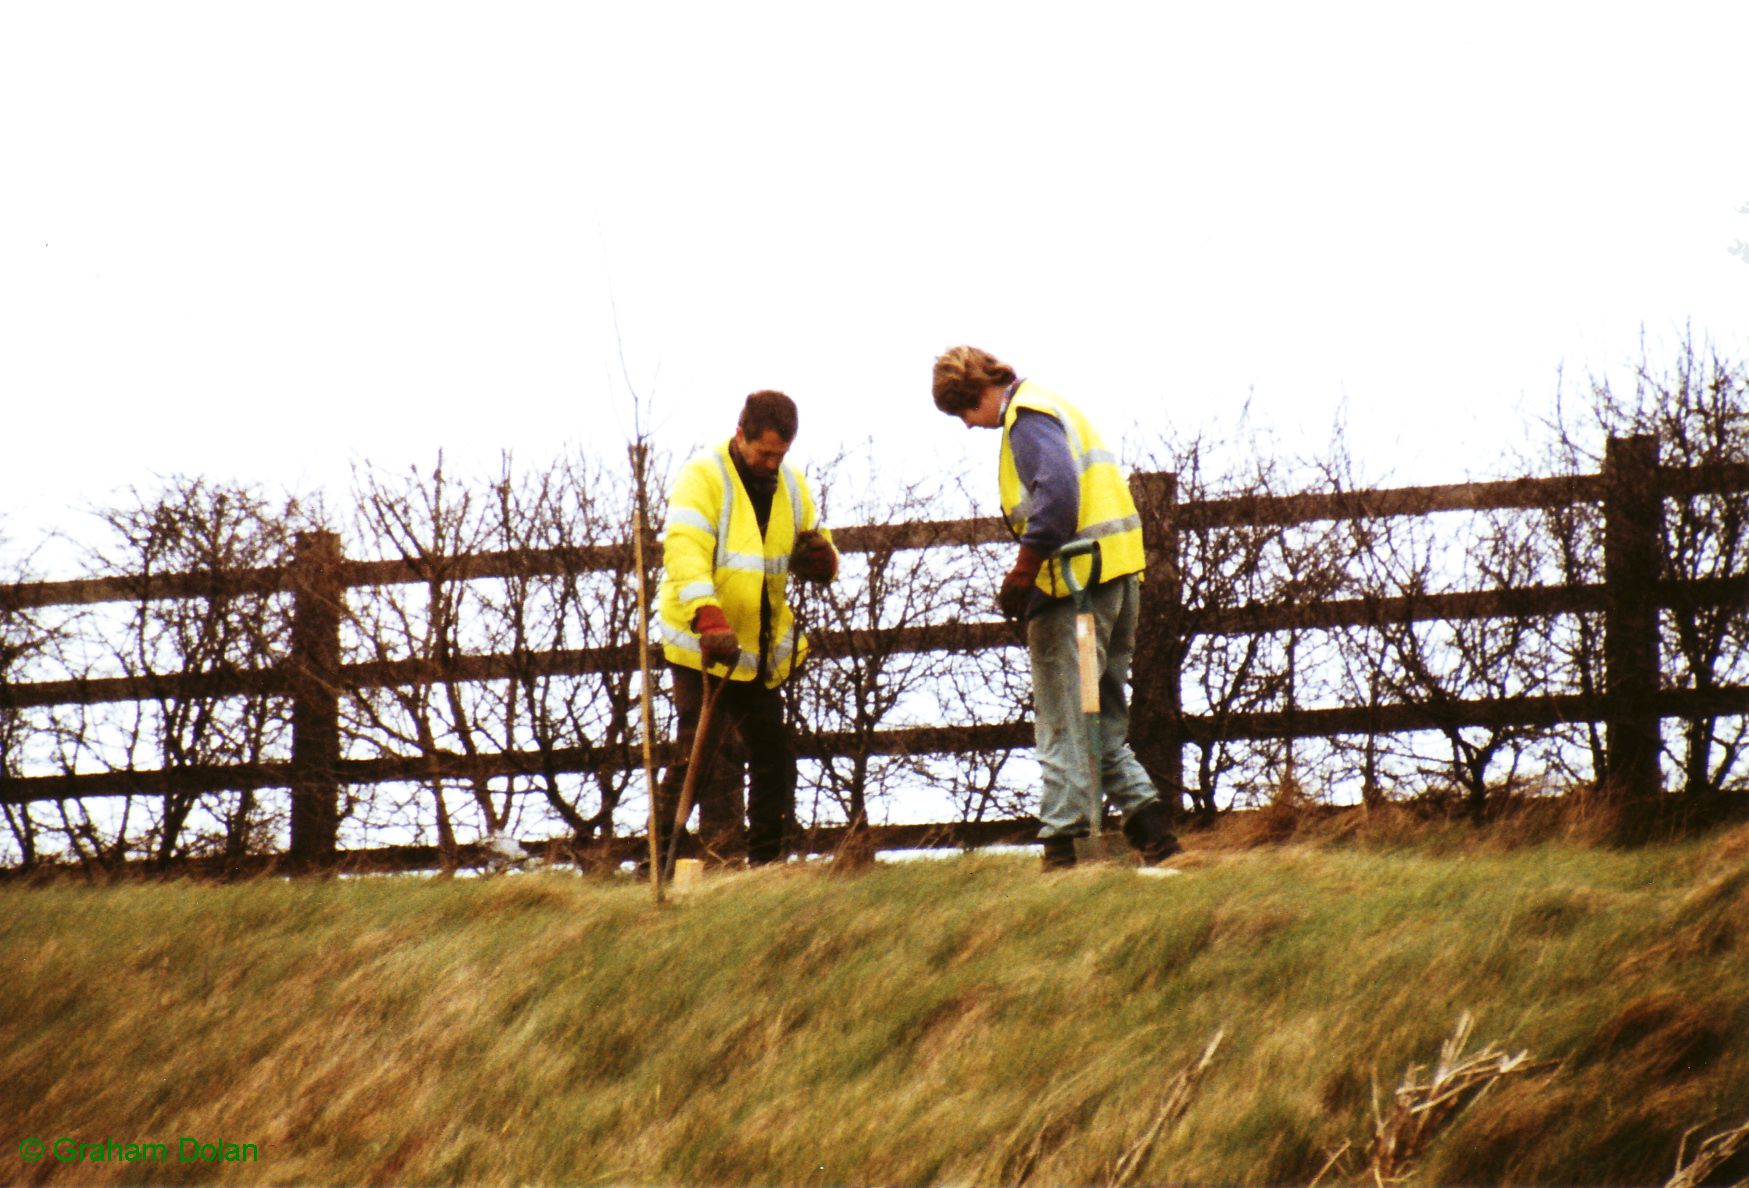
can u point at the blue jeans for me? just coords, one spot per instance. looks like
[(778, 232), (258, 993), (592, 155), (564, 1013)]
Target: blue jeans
[(1060, 728)]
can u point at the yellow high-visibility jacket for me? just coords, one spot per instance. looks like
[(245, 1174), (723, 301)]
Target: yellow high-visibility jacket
[(1107, 514), (713, 555)]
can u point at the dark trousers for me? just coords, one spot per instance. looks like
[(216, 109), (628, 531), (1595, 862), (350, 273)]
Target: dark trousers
[(746, 727)]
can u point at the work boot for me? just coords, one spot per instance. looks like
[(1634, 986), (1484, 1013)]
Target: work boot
[(1059, 853), (1150, 832)]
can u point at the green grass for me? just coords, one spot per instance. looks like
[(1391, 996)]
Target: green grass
[(961, 1021)]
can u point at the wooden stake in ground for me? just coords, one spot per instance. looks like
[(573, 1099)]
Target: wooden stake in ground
[(639, 452)]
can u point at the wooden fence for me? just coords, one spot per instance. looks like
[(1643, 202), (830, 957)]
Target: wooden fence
[(1631, 488)]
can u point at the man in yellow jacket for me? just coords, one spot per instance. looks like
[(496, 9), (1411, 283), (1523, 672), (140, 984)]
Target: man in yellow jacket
[(740, 521), (1060, 484)]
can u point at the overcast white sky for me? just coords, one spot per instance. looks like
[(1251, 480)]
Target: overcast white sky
[(267, 241)]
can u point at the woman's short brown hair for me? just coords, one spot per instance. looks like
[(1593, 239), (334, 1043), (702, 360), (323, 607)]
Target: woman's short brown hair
[(963, 374)]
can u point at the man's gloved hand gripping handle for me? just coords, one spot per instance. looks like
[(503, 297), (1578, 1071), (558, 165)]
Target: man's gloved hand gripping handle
[(716, 639)]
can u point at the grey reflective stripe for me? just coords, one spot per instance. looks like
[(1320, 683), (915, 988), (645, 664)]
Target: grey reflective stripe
[(1075, 446), (1022, 511), (1083, 457), (723, 516), (749, 562), (1068, 424), (793, 486), (743, 562), (688, 517), (1109, 528), (696, 590), (675, 637)]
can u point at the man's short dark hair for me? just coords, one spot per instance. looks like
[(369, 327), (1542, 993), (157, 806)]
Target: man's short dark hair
[(769, 410)]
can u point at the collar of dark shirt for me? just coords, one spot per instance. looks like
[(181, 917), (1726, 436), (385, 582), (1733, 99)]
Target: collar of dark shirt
[(759, 490)]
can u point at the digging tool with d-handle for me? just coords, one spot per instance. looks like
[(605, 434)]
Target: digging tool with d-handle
[(702, 753), (1087, 661)]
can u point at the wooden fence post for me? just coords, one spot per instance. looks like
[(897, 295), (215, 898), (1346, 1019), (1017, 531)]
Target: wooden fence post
[(313, 672), (1633, 535), (1156, 720)]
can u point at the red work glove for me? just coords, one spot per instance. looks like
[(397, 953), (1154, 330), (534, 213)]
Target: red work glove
[(1015, 596), (716, 639), (814, 558)]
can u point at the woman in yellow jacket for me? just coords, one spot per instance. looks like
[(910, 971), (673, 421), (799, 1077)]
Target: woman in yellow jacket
[(1059, 484), (740, 521)]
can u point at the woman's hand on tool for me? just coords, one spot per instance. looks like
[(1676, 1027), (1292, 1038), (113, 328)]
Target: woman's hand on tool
[(1016, 592)]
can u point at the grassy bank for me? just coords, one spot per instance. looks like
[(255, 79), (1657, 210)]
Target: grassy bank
[(953, 1021)]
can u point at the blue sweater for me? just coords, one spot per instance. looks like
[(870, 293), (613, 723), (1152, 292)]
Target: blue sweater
[(1047, 474)]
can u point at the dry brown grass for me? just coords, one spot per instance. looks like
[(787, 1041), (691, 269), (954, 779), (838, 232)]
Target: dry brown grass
[(961, 1021), (1581, 817), (1665, 1035), (1709, 1158), (1175, 1100), (1426, 1101)]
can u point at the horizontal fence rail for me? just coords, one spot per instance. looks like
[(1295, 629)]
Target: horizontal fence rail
[(1630, 491), (1243, 511), (1556, 709)]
